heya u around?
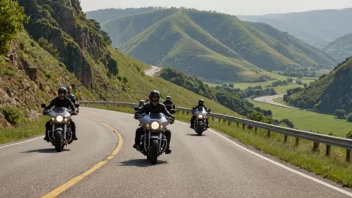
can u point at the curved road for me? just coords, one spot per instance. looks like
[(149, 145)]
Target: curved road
[(206, 166), (270, 100), (153, 70)]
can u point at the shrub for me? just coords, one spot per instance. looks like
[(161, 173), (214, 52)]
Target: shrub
[(340, 113), (288, 123), (349, 117), (13, 115), (349, 135)]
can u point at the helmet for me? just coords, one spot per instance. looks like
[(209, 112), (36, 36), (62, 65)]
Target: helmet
[(154, 93), (200, 102), (62, 90), (69, 88), (141, 102), (168, 97)]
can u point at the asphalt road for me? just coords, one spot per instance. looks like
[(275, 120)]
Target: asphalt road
[(153, 70), (206, 166), (270, 100)]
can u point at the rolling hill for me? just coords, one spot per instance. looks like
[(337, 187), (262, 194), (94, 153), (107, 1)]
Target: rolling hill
[(210, 45), (340, 48), (329, 93), (106, 14), (50, 52), (318, 28)]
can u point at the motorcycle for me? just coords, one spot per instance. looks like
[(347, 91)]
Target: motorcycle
[(153, 141), (200, 119), (60, 134)]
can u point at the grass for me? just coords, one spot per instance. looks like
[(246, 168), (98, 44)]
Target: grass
[(279, 89), (309, 121), (23, 131), (281, 101), (333, 167)]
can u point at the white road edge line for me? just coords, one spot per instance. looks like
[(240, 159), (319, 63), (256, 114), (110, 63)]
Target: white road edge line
[(21, 142), (283, 166)]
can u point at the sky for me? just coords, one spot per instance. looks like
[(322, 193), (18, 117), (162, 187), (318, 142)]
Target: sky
[(233, 7)]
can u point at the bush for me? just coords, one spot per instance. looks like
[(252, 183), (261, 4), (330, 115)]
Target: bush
[(340, 113), (13, 115), (288, 123), (349, 135), (349, 117), (11, 20)]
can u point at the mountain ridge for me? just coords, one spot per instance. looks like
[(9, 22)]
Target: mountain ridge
[(240, 45)]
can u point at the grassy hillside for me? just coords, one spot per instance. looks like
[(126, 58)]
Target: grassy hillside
[(210, 45), (341, 48), (317, 28), (293, 48), (329, 93), (107, 14)]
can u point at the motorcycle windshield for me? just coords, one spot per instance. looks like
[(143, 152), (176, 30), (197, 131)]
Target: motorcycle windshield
[(156, 116), (200, 111), (59, 111)]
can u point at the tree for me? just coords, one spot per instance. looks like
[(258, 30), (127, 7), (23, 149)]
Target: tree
[(340, 113), (349, 117), (11, 22)]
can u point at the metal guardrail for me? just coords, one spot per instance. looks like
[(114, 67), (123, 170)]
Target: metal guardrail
[(315, 137)]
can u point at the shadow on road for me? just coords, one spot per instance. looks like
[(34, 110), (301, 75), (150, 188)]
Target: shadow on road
[(141, 162), (45, 150), (194, 134)]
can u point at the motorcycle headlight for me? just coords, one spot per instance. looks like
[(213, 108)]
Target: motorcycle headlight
[(155, 125), (200, 116), (59, 118)]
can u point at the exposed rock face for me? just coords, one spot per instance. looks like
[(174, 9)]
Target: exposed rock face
[(77, 39)]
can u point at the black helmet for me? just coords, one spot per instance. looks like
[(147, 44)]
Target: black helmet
[(141, 102), (154, 93), (62, 90), (168, 97), (200, 102)]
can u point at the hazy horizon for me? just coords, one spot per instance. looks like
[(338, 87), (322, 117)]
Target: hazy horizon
[(236, 7)]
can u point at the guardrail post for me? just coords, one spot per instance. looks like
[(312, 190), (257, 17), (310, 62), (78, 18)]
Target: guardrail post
[(244, 126), (183, 113), (229, 122), (315, 146), (269, 134), (328, 148), (237, 124), (255, 129), (348, 155), (212, 118), (297, 141), (285, 138), (187, 113)]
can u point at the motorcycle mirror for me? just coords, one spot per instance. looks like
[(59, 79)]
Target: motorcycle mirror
[(77, 105), (209, 110), (136, 108), (172, 111), (43, 105)]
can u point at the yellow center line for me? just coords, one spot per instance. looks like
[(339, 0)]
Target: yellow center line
[(57, 191)]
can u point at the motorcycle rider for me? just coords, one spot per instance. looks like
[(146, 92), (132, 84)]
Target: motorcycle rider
[(71, 96), (168, 103), (61, 101), (200, 103), (153, 107)]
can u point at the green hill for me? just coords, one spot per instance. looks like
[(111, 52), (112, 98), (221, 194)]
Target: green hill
[(329, 93), (210, 45), (318, 27), (111, 13), (64, 48), (340, 48)]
